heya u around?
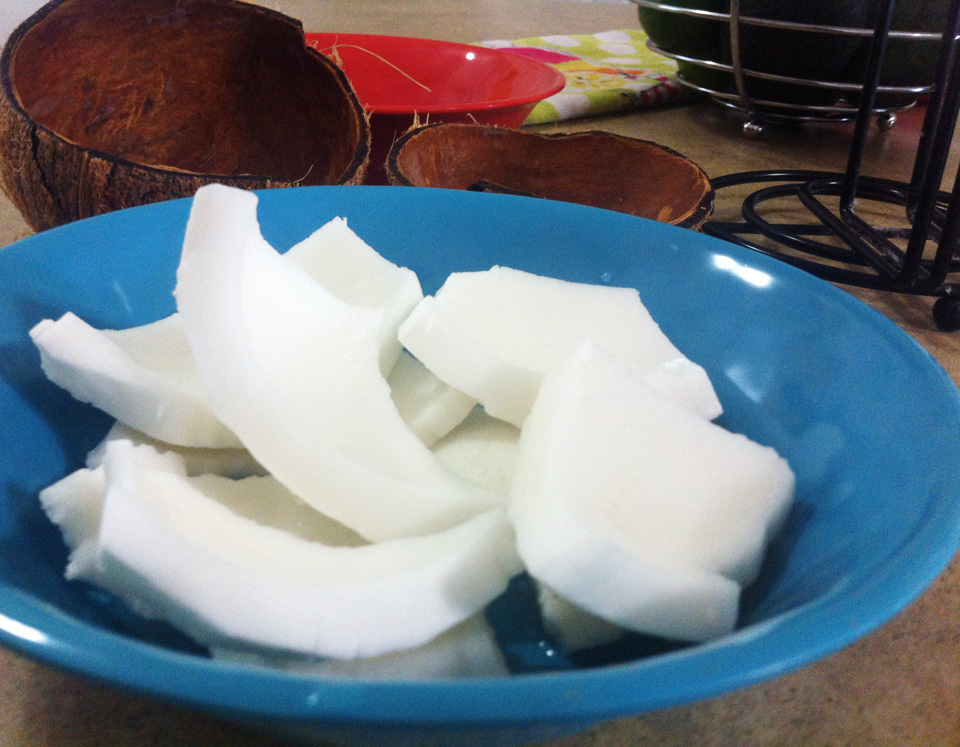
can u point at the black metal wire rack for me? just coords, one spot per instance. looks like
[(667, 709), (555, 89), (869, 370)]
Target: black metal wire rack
[(741, 95), (917, 254)]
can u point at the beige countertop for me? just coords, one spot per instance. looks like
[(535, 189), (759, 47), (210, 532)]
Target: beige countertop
[(898, 686)]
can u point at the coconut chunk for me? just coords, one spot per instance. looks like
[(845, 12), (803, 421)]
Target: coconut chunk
[(350, 269), (573, 627), (637, 509), (428, 406), (494, 334), (482, 449), (295, 373), (228, 580), (469, 649), (235, 463), (74, 503), (143, 376)]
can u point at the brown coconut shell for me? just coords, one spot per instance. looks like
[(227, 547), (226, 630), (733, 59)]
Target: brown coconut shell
[(591, 168), (107, 104)]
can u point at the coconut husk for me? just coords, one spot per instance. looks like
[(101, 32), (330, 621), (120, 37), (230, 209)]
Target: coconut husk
[(107, 104), (591, 168)]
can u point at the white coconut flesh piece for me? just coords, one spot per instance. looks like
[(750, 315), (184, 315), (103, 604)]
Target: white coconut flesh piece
[(482, 449), (619, 585), (228, 580), (75, 502), (351, 270), (494, 334), (294, 372), (571, 626), (75, 505), (143, 376), (226, 462), (469, 649), (635, 508), (428, 406)]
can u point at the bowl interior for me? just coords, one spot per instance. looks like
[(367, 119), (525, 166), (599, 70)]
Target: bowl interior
[(402, 75), (869, 422)]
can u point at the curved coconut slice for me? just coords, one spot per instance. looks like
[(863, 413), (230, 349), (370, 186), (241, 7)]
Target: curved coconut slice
[(595, 573), (226, 462), (230, 581), (294, 372), (75, 504), (635, 508), (144, 377), (483, 450), (494, 334), (350, 269), (468, 650), (266, 501), (430, 408), (573, 627)]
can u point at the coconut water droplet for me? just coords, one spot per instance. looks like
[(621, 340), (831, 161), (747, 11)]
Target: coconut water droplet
[(606, 278), (547, 649)]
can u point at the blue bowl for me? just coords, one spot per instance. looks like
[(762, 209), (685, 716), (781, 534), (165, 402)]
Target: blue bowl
[(868, 420)]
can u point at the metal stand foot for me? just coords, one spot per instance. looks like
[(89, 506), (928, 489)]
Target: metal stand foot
[(886, 121)]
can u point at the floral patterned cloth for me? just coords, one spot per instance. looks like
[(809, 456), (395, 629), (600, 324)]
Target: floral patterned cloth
[(606, 72)]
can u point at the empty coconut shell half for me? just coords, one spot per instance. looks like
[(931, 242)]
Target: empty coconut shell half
[(591, 168), (106, 104)]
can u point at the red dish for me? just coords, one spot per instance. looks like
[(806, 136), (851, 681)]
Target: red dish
[(399, 78)]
